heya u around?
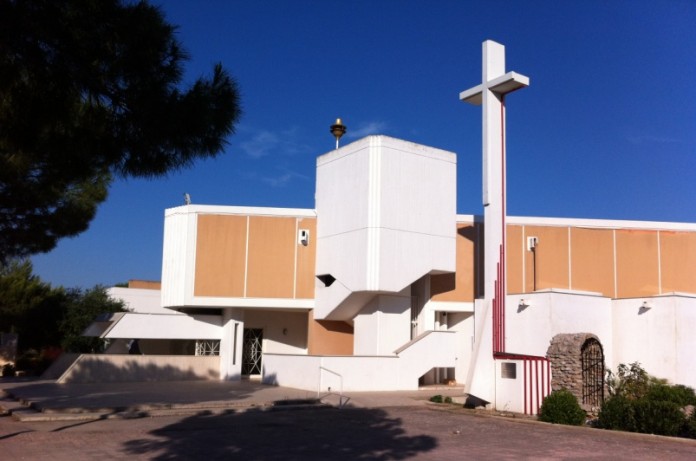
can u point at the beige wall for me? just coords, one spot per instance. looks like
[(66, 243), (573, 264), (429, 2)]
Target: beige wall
[(618, 263), (460, 286), (328, 337), (259, 256), (254, 256), (678, 261), (592, 260), (145, 284), (220, 255)]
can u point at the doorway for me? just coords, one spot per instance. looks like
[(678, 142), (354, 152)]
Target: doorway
[(592, 358), (252, 351)]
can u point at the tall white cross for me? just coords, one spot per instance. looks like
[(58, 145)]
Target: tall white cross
[(491, 94)]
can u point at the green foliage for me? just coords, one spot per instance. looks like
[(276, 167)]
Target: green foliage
[(689, 427), (440, 399), (8, 370), (32, 362), (28, 306), (561, 407), (657, 417), (81, 310), (642, 403), (44, 317), (679, 394), (617, 413), (91, 90), (630, 381)]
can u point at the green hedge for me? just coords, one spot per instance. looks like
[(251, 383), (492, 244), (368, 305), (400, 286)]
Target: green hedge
[(641, 403), (561, 407)]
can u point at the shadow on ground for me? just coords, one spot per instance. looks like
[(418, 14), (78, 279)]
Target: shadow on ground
[(315, 434)]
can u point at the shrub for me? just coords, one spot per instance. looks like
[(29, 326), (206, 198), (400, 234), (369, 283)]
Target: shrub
[(689, 428), (630, 381), (679, 394), (8, 370), (440, 399), (658, 417), (617, 413), (561, 407)]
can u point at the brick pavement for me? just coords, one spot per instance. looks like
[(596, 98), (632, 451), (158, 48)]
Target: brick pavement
[(422, 432)]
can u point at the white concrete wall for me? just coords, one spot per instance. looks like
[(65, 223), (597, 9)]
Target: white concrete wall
[(383, 325), (89, 368), (529, 330), (525, 392), (140, 300), (231, 344), (283, 332), (166, 326), (361, 373), (378, 230), (509, 393), (178, 255), (462, 323), (660, 338)]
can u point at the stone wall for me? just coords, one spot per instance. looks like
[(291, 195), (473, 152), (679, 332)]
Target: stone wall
[(565, 354)]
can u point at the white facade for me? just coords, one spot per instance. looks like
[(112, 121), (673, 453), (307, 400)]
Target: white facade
[(387, 211)]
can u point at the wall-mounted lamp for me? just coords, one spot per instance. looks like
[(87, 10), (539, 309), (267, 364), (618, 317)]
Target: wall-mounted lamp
[(522, 305), (303, 237), (645, 307)]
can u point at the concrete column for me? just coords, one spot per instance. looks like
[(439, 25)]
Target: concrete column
[(231, 344)]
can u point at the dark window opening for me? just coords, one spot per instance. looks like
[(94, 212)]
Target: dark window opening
[(326, 279)]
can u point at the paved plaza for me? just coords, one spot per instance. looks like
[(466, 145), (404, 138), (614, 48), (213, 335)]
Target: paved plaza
[(372, 426)]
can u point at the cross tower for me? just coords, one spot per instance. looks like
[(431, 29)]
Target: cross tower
[(490, 317)]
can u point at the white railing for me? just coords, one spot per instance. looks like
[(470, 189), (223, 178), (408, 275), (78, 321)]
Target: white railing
[(340, 391)]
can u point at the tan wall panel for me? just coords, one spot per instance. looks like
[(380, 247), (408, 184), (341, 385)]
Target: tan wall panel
[(636, 263), (551, 258), (327, 337), (306, 256), (271, 266), (592, 260), (145, 284), (458, 286), (515, 255), (678, 253), (220, 255)]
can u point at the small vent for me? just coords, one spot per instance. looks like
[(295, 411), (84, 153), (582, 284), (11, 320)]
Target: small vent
[(508, 370), (326, 279)]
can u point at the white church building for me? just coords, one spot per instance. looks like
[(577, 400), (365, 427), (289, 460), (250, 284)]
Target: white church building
[(383, 286)]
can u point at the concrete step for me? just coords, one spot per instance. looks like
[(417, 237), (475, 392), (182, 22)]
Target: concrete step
[(9, 406), (27, 414)]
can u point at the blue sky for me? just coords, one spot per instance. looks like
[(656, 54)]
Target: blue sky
[(607, 128)]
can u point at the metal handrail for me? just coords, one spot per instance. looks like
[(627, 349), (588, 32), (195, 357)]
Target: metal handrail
[(340, 394)]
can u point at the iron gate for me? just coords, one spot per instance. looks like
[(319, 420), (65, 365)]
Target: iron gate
[(251, 351), (592, 358)]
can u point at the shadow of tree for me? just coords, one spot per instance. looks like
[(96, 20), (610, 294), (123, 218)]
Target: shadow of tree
[(321, 434), (101, 368)]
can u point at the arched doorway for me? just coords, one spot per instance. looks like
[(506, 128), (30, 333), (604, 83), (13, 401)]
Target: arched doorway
[(577, 364), (592, 360)]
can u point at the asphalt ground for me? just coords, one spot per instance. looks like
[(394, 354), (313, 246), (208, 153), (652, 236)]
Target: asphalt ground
[(378, 426)]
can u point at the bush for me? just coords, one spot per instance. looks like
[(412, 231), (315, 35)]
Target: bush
[(32, 362), (658, 417), (561, 407), (8, 370), (617, 413), (440, 399), (679, 394), (689, 428)]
